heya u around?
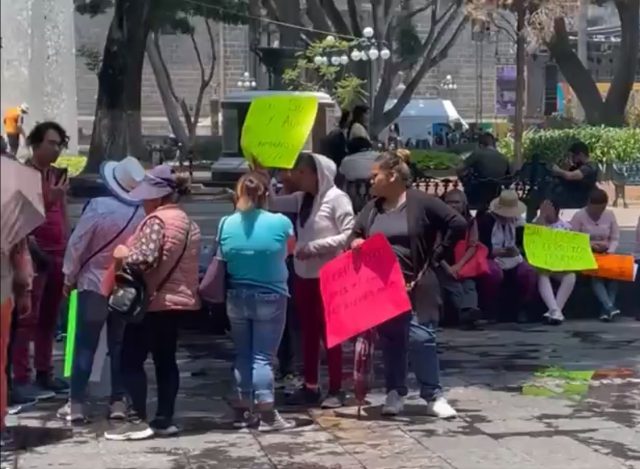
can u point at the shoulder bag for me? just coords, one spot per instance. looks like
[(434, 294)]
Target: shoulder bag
[(213, 287), (129, 297)]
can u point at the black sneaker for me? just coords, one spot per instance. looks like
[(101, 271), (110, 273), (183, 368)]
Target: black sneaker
[(49, 383), (333, 401), (244, 418), (27, 393), (135, 429), (164, 427), (304, 396)]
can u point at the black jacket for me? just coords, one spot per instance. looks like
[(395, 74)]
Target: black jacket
[(427, 216)]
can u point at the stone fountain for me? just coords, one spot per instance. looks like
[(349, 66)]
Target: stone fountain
[(38, 62)]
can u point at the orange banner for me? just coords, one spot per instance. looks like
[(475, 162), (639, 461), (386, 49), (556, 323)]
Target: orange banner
[(614, 267)]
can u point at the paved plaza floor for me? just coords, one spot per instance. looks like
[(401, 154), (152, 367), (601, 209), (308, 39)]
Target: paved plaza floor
[(521, 404)]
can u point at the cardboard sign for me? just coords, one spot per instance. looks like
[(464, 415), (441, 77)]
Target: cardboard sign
[(557, 250), (362, 289), (614, 267), (276, 129)]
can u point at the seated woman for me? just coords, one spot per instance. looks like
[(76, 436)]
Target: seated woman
[(550, 217), (603, 230), (501, 229), (461, 290)]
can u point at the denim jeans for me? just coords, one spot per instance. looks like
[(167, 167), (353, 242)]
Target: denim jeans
[(92, 316), (402, 337), (606, 291), (257, 320)]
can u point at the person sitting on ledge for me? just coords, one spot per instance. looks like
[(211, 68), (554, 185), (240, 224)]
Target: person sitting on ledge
[(576, 183)]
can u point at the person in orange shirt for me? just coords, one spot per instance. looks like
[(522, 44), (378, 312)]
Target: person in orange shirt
[(13, 126)]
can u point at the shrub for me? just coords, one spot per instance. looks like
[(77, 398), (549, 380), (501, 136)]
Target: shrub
[(426, 160), (606, 144)]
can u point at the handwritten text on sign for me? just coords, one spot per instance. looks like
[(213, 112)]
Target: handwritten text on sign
[(362, 289), (277, 127), (557, 250)]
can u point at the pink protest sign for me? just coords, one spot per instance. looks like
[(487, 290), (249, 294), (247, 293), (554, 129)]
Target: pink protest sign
[(362, 289)]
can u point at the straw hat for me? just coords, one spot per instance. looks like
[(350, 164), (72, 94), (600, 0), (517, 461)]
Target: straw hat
[(508, 205)]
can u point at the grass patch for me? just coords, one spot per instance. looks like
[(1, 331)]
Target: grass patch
[(74, 163)]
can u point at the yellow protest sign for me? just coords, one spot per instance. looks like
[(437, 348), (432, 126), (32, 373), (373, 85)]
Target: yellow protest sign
[(557, 250), (277, 127)]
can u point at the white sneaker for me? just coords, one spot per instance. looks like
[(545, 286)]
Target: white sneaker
[(393, 405), (555, 316), (441, 408)]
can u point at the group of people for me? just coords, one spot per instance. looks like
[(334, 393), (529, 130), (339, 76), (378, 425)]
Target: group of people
[(273, 247)]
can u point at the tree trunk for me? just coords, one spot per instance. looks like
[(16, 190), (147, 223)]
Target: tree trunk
[(626, 64), (164, 87), (520, 83), (611, 110), (117, 126)]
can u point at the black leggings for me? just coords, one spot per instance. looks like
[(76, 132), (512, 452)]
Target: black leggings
[(158, 334)]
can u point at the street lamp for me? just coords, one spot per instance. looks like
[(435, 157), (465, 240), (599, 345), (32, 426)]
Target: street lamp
[(448, 84), (247, 82), (366, 48), (362, 49)]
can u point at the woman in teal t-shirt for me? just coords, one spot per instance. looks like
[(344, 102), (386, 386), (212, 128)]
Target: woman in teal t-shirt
[(253, 242)]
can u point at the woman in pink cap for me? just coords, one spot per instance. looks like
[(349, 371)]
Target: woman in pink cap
[(164, 248)]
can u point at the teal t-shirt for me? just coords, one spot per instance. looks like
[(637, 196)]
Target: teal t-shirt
[(254, 246)]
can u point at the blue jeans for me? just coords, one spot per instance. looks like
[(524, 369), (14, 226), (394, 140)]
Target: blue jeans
[(606, 291), (92, 316), (257, 320), (404, 337)]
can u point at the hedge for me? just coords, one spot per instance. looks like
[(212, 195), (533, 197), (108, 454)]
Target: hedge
[(426, 160), (606, 144)]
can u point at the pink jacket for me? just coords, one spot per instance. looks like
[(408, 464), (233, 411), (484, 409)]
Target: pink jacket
[(180, 292)]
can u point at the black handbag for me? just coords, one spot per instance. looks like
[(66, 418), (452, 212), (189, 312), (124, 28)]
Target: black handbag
[(130, 297)]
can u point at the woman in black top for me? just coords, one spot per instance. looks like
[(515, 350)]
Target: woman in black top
[(411, 220)]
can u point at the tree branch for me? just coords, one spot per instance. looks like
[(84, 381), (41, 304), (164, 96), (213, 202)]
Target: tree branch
[(317, 16), (429, 61), (272, 11), (419, 10), (354, 17), (196, 49), (214, 58), (336, 18), (165, 69), (449, 16)]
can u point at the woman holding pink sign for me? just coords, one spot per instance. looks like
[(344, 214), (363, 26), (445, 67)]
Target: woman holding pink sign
[(412, 222), (323, 224)]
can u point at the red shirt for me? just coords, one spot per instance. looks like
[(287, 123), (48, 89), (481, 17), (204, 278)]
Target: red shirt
[(52, 234)]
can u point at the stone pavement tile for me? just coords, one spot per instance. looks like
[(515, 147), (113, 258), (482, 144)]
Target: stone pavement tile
[(475, 452), (224, 449), (511, 426), (306, 448), (575, 423), (621, 443), (559, 452), (383, 446)]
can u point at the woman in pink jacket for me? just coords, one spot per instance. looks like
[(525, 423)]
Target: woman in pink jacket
[(165, 249)]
